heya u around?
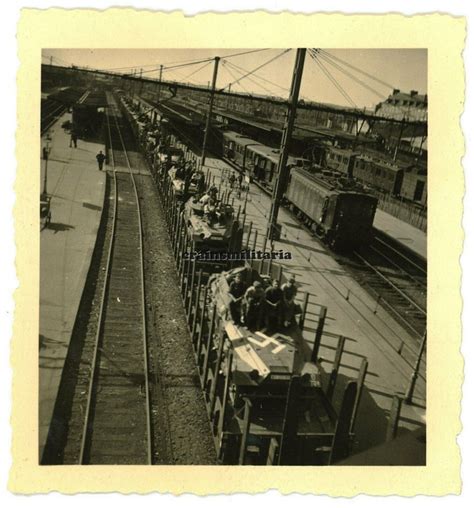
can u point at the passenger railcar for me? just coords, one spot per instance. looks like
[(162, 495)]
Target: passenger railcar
[(235, 149), (338, 211), (341, 160), (258, 161), (381, 174)]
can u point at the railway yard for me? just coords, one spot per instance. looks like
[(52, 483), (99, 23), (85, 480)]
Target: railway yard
[(152, 353)]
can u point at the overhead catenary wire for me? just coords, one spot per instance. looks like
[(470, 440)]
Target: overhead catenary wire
[(234, 78), (353, 67), (197, 70), (260, 66), (255, 75), (183, 62), (249, 78), (350, 75), (166, 69), (333, 80)]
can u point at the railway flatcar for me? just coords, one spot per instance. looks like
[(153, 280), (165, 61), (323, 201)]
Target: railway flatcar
[(267, 403), (337, 210)]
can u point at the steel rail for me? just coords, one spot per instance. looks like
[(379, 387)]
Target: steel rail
[(392, 285), (406, 258), (142, 278), (400, 269), (93, 374), (54, 118), (403, 343)]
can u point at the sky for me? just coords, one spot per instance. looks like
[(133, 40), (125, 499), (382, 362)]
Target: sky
[(334, 80)]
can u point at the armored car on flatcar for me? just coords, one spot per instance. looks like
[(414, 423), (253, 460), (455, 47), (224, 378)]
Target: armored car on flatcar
[(266, 398)]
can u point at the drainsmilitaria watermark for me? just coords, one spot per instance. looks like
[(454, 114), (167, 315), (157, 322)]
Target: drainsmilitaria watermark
[(243, 255)]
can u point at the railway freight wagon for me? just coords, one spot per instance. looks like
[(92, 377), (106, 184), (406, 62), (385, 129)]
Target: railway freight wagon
[(338, 211)]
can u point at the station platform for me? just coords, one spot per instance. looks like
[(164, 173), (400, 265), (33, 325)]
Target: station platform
[(370, 331), (77, 190), (402, 233)]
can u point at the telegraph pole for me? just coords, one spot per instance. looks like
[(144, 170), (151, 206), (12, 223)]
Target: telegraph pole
[(209, 112), (416, 370), (282, 170), (159, 84), (141, 82)]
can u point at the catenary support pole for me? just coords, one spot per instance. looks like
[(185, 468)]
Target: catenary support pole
[(282, 171), (209, 112)]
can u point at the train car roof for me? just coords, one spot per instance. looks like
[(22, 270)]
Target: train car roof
[(382, 163), (340, 150), (272, 154), (238, 138), (329, 185)]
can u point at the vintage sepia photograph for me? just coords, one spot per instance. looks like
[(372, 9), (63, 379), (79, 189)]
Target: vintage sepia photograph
[(233, 256)]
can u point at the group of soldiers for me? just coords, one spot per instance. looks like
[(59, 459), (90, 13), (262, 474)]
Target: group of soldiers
[(214, 209), (258, 308)]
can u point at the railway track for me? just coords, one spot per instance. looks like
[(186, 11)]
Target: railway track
[(117, 423), (50, 112), (398, 282)]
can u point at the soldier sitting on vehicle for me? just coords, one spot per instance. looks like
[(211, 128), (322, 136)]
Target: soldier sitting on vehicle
[(253, 300), (210, 211)]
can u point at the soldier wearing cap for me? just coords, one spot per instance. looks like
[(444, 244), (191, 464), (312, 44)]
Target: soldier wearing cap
[(289, 290), (273, 303), (237, 291), (253, 300)]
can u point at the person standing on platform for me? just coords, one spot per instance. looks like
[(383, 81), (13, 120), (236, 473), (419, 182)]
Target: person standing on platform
[(73, 139), (100, 159)]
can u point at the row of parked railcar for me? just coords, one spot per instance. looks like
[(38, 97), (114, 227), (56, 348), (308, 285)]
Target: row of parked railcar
[(337, 209), (400, 180)]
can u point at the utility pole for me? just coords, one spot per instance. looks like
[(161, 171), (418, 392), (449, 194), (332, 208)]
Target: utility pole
[(51, 60), (141, 82), (46, 152), (402, 128), (209, 111), (159, 84), (282, 170), (416, 369)]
